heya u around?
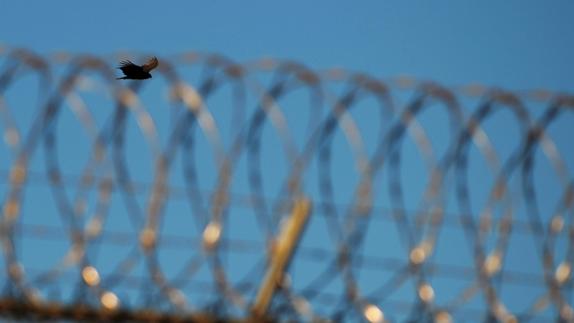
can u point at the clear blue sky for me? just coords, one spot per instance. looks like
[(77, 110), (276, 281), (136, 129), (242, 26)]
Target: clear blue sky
[(515, 44)]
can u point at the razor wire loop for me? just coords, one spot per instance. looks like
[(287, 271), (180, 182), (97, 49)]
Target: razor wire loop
[(536, 138), (331, 112)]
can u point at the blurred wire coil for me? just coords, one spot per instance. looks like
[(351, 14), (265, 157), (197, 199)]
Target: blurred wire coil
[(335, 290)]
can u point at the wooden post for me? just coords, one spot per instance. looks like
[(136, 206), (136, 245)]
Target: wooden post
[(286, 244)]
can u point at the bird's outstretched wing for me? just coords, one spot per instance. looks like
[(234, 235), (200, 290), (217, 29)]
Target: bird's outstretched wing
[(129, 68), (150, 65)]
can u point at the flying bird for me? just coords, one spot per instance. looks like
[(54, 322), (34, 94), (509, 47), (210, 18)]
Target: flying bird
[(136, 72)]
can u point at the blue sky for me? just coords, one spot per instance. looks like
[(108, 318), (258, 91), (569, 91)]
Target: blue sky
[(516, 45)]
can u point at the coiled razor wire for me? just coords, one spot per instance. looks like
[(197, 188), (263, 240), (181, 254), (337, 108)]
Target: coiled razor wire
[(347, 266)]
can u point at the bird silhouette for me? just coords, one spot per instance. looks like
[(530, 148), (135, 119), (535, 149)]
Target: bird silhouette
[(136, 72)]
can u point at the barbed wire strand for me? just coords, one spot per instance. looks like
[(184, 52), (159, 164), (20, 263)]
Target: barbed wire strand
[(107, 174)]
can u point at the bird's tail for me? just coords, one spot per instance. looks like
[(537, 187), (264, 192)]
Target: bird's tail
[(122, 78)]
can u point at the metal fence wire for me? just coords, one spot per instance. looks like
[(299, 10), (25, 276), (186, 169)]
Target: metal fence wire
[(267, 190)]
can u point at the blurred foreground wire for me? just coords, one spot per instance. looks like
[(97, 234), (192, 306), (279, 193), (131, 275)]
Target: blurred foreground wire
[(198, 237)]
